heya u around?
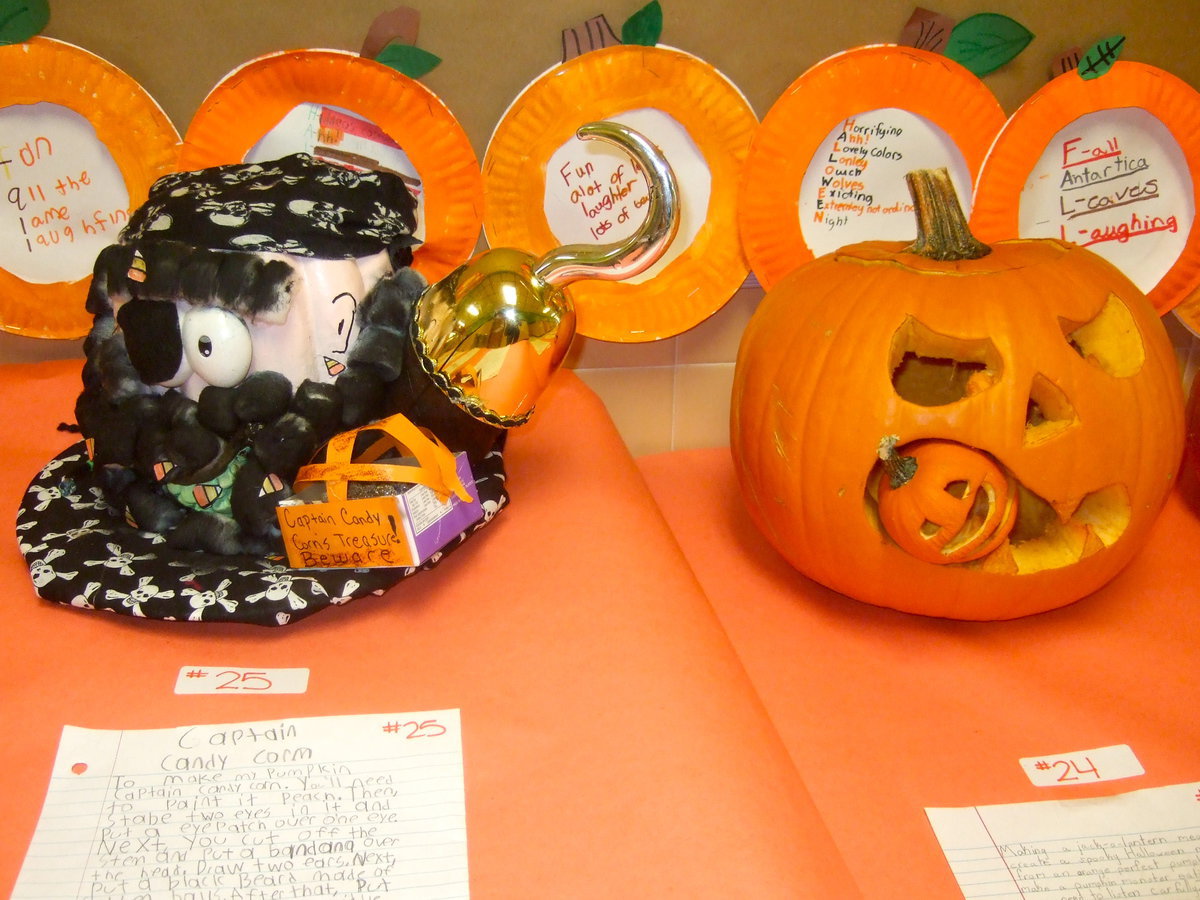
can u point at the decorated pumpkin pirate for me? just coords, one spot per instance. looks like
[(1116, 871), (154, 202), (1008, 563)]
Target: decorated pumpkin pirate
[(249, 313)]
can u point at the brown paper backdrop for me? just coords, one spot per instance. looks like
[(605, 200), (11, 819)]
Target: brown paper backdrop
[(490, 50)]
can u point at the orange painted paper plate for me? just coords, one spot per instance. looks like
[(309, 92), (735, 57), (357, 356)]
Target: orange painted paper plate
[(1108, 163), (345, 108), (827, 165), (545, 188), (82, 143)]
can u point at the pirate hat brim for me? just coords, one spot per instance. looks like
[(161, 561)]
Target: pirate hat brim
[(81, 552)]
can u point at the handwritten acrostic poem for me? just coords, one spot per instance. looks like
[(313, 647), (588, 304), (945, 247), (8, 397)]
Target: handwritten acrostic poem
[(62, 198), (843, 191), (368, 806), (1115, 182), (1101, 178), (1140, 844), (854, 187)]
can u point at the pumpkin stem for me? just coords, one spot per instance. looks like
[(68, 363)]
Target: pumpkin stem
[(942, 231), (899, 469)]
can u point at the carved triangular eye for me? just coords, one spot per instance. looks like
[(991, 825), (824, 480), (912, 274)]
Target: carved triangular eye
[(932, 369), (1048, 413), (1111, 339)]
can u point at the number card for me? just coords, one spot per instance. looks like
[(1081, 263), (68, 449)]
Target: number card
[(1083, 766), (234, 680)]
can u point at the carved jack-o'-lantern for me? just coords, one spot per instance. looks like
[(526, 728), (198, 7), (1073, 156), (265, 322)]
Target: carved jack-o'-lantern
[(956, 430)]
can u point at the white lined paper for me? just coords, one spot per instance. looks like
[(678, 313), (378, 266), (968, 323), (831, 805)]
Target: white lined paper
[(1138, 844), (371, 805)]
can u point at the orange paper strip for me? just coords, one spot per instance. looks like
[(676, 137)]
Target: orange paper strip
[(436, 468)]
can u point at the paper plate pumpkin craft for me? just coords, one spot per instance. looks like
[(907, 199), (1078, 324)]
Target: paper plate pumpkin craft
[(249, 313), (828, 162), (358, 113), (956, 430), (1107, 163), (83, 142), (543, 188)]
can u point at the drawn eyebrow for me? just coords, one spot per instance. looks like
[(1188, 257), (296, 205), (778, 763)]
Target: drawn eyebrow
[(342, 322)]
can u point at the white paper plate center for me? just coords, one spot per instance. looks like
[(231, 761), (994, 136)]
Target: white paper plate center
[(339, 136), (854, 188), (64, 199), (595, 194)]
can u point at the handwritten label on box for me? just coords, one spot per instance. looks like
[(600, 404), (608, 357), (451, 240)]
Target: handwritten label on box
[(361, 534), (402, 529)]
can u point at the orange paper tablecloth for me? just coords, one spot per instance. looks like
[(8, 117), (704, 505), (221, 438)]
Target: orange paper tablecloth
[(886, 713), (613, 745)]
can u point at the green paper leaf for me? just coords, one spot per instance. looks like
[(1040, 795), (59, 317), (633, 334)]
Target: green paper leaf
[(1100, 57), (644, 27), (986, 41), (22, 19), (408, 60)]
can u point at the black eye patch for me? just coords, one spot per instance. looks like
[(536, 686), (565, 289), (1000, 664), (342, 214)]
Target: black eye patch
[(152, 338)]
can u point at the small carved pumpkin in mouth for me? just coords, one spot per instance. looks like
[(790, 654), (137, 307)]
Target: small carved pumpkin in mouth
[(953, 504)]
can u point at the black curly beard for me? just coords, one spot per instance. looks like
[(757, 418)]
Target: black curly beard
[(135, 429)]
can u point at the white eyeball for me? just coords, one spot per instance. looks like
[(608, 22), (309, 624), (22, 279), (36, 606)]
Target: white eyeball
[(217, 345)]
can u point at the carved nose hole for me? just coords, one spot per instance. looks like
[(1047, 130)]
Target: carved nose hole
[(957, 489), (1048, 412)]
